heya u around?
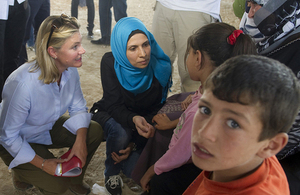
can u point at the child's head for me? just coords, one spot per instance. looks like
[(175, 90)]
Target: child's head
[(211, 45), (248, 105)]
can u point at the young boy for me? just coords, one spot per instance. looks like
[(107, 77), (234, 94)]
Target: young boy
[(248, 105)]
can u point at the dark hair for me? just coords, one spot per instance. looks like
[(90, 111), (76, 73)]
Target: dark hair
[(135, 32), (262, 82), (212, 39)]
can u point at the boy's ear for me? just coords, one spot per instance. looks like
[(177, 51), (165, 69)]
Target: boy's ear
[(274, 145), (52, 52), (199, 60)]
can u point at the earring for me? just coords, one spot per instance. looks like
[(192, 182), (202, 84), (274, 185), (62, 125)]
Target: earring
[(54, 58)]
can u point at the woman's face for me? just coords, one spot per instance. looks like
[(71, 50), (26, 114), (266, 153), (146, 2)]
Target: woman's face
[(138, 50), (70, 53)]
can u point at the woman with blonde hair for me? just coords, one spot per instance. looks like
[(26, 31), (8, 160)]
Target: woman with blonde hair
[(35, 97)]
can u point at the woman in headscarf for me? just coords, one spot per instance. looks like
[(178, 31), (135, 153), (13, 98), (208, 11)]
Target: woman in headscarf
[(136, 77), (275, 27)]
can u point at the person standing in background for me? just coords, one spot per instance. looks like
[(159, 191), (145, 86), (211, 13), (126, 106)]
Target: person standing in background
[(90, 14), (120, 8), (13, 18), (39, 11), (174, 21)]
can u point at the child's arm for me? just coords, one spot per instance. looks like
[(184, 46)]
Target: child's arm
[(163, 122), (147, 177), (185, 103), (179, 153)]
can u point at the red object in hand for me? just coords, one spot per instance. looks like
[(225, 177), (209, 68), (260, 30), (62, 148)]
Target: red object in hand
[(71, 168)]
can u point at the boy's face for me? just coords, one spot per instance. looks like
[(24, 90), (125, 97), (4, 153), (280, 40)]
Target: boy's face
[(225, 136)]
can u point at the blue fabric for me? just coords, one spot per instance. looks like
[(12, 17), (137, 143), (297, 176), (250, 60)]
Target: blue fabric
[(137, 80), (105, 14), (118, 138), (30, 108)]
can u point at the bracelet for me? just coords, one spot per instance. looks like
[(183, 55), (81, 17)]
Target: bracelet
[(43, 164)]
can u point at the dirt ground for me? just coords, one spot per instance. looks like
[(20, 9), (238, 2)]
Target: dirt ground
[(90, 79)]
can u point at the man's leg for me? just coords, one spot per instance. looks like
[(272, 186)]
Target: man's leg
[(14, 35), (41, 15), (74, 8), (90, 15), (120, 9), (105, 22), (2, 38), (186, 23), (162, 30)]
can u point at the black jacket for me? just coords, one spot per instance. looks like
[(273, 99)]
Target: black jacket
[(121, 104)]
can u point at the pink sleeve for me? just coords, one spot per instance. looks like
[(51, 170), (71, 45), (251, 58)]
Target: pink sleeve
[(180, 153)]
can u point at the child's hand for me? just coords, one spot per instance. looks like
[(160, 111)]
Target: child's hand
[(162, 122), (147, 177), (185, 103), (143, 127), (125, 155)]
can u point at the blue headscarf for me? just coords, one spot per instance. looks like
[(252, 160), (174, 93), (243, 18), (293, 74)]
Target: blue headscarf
[(138, 80)]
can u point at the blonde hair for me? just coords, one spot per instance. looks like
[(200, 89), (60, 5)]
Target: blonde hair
[(54, 31)]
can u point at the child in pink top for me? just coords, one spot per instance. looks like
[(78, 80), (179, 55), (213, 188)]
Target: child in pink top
[(173, 172)]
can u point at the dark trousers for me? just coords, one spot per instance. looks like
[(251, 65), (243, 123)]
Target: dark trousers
[(174, 182), (291, 167), (90, 13), (120, 8), (12, 33), (39, 11), (61, 138)]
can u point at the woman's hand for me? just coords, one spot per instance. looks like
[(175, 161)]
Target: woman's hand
[(143, 127), (47, 165), (185, 103), (51, 164), (163, 122), (125, 153), (147, 177), (79, 148)]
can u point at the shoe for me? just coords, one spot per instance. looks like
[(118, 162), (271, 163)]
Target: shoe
[(90, 35), (131, 184), (80, 189), (114, 185), (19, 185), (100, 42), (31, 48), (134, 186)]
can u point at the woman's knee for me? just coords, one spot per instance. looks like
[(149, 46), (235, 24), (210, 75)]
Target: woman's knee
[(46, 183), (114, 130), (95, 132), (56, 188)]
